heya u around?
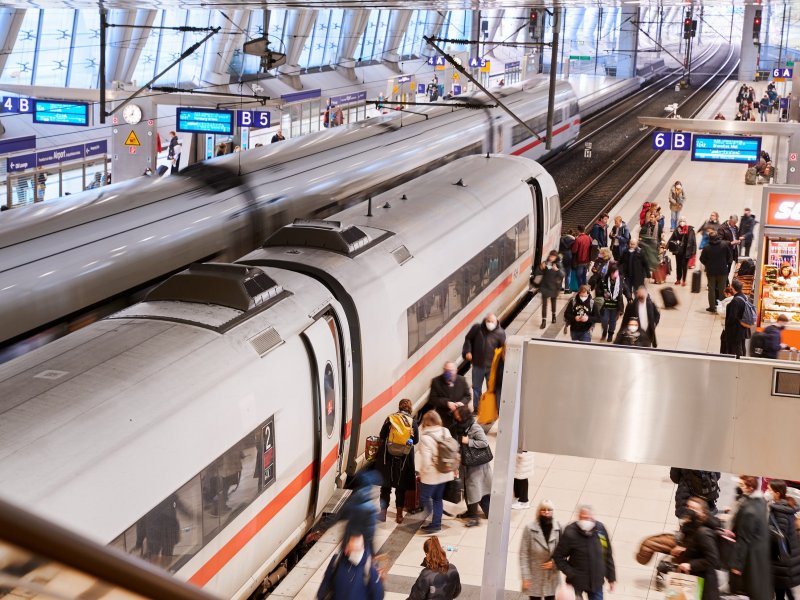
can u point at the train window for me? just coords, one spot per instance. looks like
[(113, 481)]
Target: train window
[(523, 238), (555, 211), (330, 399), (573, 108)]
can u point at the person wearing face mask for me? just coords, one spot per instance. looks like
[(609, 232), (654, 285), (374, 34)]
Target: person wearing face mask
[(747, 224), (585, 557), (633, 267), (540, 577), (676, 198), (551, 276), (479, 345), (750, 570), (683, 244), (697, 553), (581, 314), (611, 288), (645, 310), (439, 579), (632, 335), (351, 574), (715, 258), (772, 337), (477, 479), (359, 511), (448, 391), (785, 555)]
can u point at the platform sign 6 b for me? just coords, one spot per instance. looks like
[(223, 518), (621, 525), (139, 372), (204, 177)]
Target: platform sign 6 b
[(672, 140)]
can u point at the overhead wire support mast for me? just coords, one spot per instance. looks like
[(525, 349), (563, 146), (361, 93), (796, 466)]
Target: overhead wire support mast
[(477, 83)]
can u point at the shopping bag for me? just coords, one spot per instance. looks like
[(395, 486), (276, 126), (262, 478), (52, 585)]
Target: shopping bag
[(682, 586), (573, 281), (565, 592), (487, 409), (692, 261)]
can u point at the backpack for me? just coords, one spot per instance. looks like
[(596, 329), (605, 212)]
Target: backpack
[(400, 432), (749, 315), (702, 484), (448, 454), (758, 345)]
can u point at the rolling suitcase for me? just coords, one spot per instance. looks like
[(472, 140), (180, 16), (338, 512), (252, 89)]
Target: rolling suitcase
[(411, 502), (669, 298), (697, 279)]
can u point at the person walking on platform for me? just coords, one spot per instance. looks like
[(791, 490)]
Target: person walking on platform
[(565, 250), (550, 278), (479, 345), (712, 223), (599, 231), (763, 107), (611, 288), (581, 255), (448, 391), (785, 553), (477, 477), (630, 334), (698, 554), (439, 578), (716, 258), (750, 566), (352, 574), (649, 241), (585, 557), (278, 137), (729, 232), (540, 577), (772, 337), (620, 236), (395, 461), (522, 472), (676, 198), (581, 314), (735, 333), (683, 244), (432, 481), (634, 267), (747, 224), (644, 309)]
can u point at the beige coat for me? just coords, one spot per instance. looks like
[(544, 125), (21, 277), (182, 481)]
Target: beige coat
[(425, 455), (533, 552)]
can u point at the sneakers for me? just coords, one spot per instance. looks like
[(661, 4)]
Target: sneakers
[(430, 528), (474, 522), (520, 505)]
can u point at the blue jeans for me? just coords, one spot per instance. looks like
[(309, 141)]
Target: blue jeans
[(580, 274), (674, 215), (581, 336), (598, 595), (430, 496), (608, 318), (479, 375)]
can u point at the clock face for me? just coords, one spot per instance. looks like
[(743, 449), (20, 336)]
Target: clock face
[(132, 114)]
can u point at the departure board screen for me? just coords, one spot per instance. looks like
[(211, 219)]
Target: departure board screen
[(726, 148), (205, 120), (61, 113)]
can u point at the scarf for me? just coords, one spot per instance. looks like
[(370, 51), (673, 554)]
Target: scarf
[(613, 287)]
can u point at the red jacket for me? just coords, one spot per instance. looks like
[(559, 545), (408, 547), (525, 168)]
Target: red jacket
[(581, 248)]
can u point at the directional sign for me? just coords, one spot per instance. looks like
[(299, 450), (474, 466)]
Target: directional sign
[(14, 104), (43, 158), (784, 73), (132, 140), (579, 57), (257, 119), (436, 61)]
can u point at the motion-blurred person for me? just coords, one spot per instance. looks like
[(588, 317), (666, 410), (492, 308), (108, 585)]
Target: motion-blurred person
[(540, 577), (649, 241), (97, 182), (676, 198), (709, 225), (581, 314), (439, 578), (785, 550), (735, 332), (565, 250), (351, 574), (448, 391), (523, 469), (715, 258), (585, 557), (644, 309), (634, 267), (477, 478), (599, 232), (278, 137), (395, 461), (479, 345), (611, 288), (427, 461), (581, 255), (697, 553), (359, 511), (729, 232), (750, 565), (747, 224), (620, 236), (551, 278), (41, 184), (683, 244), (630, 334), (222, 149), (694, 484), (772, 337)]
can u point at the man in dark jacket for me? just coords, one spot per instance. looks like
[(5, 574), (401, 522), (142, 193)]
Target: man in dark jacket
[(352, 574), (729, 232), (620, 237), (581, 255), (479, 345), (643, 308), (634, 267), (716, 258), (697, 553), (448, 391), (772, 337), (584, 555), (565, 250), (630, 334), (581, 314), (599, 231), (747, 224), (750, 564), (735, 334), (693, 483)]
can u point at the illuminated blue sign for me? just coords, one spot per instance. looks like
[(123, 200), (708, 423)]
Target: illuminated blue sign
[(436, 61), (475, 62), (61, 113), (206, 120), (253, 118), (726, 148), (15, 104)]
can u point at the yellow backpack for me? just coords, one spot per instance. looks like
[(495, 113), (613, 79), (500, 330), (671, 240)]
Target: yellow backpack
[(400, 431)]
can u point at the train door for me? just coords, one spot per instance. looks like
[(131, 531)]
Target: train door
[(539, 224), (324, 349)]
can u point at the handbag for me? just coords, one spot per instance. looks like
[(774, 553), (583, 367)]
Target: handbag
[(683, 585), (475, 457), (777, 538), (453, 491)]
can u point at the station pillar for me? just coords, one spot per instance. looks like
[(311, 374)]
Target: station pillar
[(749, 50), (628, 45)]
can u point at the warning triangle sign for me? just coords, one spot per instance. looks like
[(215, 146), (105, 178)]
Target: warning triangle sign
[(132, 140)]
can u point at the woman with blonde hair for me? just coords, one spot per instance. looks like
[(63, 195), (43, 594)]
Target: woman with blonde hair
[(431, 481), (439, 579), (540, 577)]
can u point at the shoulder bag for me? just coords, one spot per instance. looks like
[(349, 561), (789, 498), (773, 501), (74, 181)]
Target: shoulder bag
[(475, 457)]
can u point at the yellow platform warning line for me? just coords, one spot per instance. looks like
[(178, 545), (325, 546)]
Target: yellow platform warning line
[(132, 140)]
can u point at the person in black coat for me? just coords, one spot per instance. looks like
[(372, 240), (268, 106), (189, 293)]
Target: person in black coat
[(633, 266), (729, 232), (697, 553), (397, 471), (630, 334), (785, 557), (479, 345), (693, 483), (735, 334), (584, 554), (747, 224), (643, 308), (439, 580), (772, 337), (551, 276), (683, 244), (448, 391), (751, 572), (716, 257), (581, 314)]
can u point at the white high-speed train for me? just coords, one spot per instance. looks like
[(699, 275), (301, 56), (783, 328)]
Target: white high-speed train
[(96, 251), (206, 427)]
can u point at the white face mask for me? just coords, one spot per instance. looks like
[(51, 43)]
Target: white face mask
[(633, 328), (356, 556), (491, 325), (586, 524), (583, 297), (769, 496)]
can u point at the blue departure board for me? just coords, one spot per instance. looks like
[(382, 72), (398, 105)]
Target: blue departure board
[(61, 112), (726, 148), (204, 120)]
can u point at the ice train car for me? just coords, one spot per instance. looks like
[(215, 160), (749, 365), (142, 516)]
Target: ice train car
[(205, 428), (66, 262)]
